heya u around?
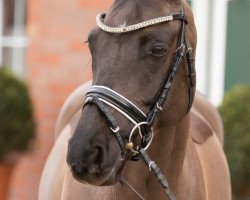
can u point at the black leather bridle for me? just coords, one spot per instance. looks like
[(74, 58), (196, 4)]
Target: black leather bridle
[(102, 96)]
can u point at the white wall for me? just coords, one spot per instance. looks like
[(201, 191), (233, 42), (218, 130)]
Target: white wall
[(16, 42), (211, 19), (218, 51), (1, 29), (201, 17)]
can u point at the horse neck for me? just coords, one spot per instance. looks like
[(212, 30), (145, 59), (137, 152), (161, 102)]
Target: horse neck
[(169, 148), (168, 151)]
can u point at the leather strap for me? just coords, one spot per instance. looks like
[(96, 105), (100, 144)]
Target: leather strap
[(154, 169), (101, 92), (191, 76), (181, 16), (119, 101), (178, 58), (110, 120)]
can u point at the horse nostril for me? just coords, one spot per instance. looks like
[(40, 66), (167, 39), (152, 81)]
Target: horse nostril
[(90, 162), (77, 168), (99, 155), (96, 160)]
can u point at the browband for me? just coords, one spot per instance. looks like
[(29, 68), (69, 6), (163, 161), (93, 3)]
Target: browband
[(101, 16)]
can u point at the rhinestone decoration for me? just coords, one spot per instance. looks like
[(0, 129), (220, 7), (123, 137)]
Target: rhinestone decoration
[(100, 18)]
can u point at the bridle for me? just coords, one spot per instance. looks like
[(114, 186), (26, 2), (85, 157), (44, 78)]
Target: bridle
[(103, 96)]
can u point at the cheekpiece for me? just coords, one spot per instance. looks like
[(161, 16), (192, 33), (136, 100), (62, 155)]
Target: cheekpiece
[(101, 16)]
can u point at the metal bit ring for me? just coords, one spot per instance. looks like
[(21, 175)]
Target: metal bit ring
[(137, 126)]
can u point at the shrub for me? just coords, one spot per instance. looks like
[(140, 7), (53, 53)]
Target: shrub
[(17, 126), (235, 112)]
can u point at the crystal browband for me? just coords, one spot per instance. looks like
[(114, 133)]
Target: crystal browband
[(100, 18)]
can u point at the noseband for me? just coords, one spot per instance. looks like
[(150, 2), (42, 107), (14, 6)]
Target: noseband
[(103, 96)]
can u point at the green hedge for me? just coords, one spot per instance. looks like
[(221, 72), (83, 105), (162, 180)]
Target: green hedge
[(235, 112), (17, 126)]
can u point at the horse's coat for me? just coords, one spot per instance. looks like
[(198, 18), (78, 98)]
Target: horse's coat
[(187, 148), (58, 183)]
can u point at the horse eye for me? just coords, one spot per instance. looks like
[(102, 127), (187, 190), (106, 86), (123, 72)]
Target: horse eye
[(158, 50)]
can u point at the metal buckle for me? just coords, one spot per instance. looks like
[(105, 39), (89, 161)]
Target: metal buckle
[(159, 107), (150, 165), (179, 48), (115, 130), (190, 49)]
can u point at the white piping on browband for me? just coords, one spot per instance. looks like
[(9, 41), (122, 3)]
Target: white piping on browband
[(104, 87)]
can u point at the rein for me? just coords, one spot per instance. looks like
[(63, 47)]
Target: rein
[(103, 96)]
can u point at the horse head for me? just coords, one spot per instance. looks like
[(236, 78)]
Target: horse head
[(133, 65)]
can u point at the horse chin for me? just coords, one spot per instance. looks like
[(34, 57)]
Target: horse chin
[(106, 178), (96, 181)]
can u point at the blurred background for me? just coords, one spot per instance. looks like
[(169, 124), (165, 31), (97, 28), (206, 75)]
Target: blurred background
[(42, 43)]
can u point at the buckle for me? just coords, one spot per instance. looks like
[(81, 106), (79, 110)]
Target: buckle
[(159, 107), (115, 130), (180, 48)]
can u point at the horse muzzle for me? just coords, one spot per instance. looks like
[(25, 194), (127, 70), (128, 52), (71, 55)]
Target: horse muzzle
[(92, 156)]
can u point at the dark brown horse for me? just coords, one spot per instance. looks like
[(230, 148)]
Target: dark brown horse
[(137, 65)]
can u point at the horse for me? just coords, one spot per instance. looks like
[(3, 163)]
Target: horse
[(104, 144)]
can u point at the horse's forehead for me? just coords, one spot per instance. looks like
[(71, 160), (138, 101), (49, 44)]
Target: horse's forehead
[(134, 11)]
